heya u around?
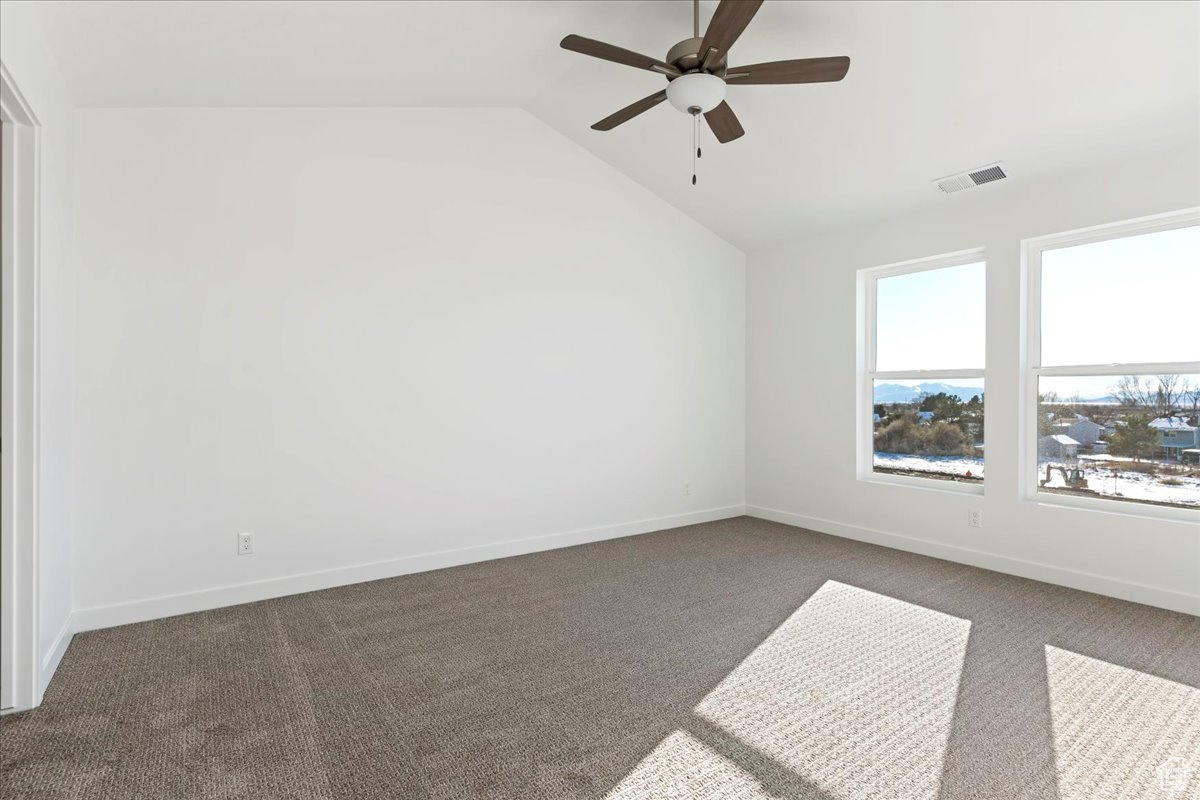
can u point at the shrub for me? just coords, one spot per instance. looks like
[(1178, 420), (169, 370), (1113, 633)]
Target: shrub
[(906, 435)]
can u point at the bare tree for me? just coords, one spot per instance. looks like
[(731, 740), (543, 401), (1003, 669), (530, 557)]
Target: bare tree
[(1050, 408), (1160, 393), (1129, 392), (1169, 393), (1191, 393)]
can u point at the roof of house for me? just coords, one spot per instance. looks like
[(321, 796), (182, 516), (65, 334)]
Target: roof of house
[(1067, 423), (1172, 424), (1061, 438), (1071, 420)]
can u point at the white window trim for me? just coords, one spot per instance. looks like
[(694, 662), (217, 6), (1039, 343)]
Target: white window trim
[(1031, 369), (19, 425), (866, 373)]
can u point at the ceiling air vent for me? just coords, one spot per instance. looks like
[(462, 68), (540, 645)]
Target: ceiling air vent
[(967, 180)]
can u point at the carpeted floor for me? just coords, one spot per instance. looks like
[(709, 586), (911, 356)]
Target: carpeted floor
[(739, 659)]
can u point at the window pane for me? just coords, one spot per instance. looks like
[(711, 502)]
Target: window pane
[(1122, 301), (1126, 437), (930, 320), (930, 430)]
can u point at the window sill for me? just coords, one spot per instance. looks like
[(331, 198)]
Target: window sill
[(928, 484), (1109, 505)]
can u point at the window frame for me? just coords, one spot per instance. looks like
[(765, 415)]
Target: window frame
[(1032, 370), (867, 374)]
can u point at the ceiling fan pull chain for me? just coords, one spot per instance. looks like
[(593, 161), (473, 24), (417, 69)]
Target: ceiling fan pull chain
[(695, 143)]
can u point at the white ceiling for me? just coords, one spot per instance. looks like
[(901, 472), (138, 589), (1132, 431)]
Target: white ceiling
[(933, 88), (317, 53)]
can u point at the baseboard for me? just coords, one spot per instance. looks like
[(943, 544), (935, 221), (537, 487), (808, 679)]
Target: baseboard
[(54, 655), (86, 619), (1075, 579)]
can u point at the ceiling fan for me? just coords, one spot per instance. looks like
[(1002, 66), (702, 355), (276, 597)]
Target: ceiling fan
[(697, 70)]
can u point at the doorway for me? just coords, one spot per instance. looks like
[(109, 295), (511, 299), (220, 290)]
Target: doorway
[(20, 678)]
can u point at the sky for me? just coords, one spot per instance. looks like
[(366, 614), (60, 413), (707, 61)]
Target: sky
[(931, 320), (1119, 301)]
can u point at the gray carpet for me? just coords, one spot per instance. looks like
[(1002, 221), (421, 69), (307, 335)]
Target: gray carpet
[(739, 659)]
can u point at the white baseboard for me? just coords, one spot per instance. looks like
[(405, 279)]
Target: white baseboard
[(53, 657), (1075, 579), (86, 619)]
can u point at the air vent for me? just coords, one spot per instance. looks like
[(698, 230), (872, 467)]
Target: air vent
[(967, 180)]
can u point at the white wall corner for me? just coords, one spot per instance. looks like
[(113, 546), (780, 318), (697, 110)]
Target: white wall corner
[(632, 181)]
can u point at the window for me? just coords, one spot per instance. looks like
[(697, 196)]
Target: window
[(921, 371), (1113, 385)]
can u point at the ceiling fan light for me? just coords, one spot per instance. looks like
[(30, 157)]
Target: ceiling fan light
[(696, 90)]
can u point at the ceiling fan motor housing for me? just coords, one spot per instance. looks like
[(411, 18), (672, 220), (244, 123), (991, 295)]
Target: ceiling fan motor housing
[(685, 56)]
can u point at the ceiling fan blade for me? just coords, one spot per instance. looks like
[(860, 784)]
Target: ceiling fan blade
[(800, 70), (609, 52), (724, 123), (728, 22), (630, 111)]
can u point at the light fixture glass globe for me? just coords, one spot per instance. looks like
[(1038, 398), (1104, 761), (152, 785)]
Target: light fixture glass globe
[(696, 90)]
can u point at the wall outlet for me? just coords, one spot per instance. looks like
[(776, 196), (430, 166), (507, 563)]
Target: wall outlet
[(245, 544), (974, 518), (687, 488)]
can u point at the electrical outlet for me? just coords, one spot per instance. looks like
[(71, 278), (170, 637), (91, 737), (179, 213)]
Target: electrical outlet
[(974, 518), (687, 488), (245, 544)]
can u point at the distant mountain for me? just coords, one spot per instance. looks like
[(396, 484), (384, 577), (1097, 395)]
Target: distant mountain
[(895, 393), (1107, 400)]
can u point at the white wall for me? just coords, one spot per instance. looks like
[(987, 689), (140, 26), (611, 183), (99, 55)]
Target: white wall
[(371, 335), (801, 390), (32, 66)]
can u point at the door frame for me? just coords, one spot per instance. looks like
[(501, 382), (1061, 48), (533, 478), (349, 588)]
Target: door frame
[(20, 185)]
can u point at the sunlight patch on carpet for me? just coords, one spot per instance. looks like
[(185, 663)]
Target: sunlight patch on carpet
[(683, 768), (1115, 726), (853, 696)]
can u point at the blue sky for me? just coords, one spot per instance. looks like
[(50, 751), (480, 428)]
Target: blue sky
[(1119, 301), (931, 320)]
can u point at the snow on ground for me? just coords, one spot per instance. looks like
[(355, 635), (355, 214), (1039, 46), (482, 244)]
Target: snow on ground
[(1135, 485), (942, 465), (1101, 477)]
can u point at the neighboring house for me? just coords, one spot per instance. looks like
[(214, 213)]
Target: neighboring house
[(877, 419), (925, 417), (1058, 445), (1081, 429), (1175, 435)]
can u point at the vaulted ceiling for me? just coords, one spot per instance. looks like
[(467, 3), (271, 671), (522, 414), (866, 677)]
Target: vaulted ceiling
[(933, 88)]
